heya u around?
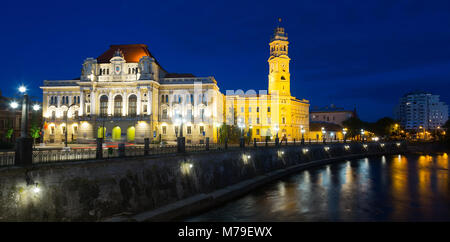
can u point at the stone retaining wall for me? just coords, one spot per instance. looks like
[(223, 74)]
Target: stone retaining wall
[(94, 190)]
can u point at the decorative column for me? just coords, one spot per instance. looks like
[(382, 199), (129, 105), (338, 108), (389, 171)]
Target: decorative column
[(149, 95), (93, 108), (138, 108), (82, 108), (124, 104), (110, 103)]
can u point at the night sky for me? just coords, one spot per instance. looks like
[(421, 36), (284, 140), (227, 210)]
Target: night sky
[(363, 53)]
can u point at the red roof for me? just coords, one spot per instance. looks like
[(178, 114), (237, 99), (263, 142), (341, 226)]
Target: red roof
[(131, 53)]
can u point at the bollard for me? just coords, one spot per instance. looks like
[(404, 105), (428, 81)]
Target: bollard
[(254, 142), (121, 149), (267, 139), (99, 151), (226, 143), (294, 142), (207, 143), (146, 146)]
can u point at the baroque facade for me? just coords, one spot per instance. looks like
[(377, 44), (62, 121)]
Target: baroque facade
[(125, 95)]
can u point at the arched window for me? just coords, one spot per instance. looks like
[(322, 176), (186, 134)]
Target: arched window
[(118, 106), (132, 100), (282, 78), (104, 106)]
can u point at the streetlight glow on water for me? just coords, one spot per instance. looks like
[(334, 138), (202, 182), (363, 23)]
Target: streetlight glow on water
[(349, 191)]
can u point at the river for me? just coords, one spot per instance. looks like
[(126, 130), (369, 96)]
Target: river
[(387, 188)]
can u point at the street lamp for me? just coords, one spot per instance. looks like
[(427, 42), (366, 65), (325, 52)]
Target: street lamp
[(22, 89), (344, 132), (67, 114), (24, 147), (276, 138), (302, 130), (14, 105), (217, 131), (324, 132), (362, 135)]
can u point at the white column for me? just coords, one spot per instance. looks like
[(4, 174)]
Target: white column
[(93, 109), (59, 99), (110, 103), (82, 108), (138, 110), (149, 104), (125, 103)]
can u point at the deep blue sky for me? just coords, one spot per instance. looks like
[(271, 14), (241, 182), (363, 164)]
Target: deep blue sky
[(363, 53)]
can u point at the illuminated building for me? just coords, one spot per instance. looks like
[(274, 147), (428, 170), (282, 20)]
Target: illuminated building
[(419, 110), (276, 112), (126, 91)]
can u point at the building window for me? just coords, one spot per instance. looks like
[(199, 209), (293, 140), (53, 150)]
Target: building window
[(202, 129), (164, 129), (53, 114), (242, 109), (257, 109), (118, 106), (52, 130), (249, 109), (257, 120), (257, 131), (268, 109), (283, 120), (164, 114), (75, 129), (132, 107), (189, 130), (104, 106), (65, 114), (145, 108), (202, 113)]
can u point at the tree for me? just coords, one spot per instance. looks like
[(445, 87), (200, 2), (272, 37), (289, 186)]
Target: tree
[(232, 132), (9, 133), (35, 132), (354, 126), (382, 127)]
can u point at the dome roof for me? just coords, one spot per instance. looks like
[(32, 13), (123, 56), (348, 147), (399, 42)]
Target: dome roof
[(131, 53)]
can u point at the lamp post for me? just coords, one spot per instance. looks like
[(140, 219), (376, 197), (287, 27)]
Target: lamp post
[(344, 132), (362, 135), (241, 125), (324, 132), (24, 145), (65, 141), (277, 140), (302, 130), (217, 131)]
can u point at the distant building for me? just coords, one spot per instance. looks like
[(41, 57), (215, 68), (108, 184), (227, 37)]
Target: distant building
[(331, 114), (421, 109)]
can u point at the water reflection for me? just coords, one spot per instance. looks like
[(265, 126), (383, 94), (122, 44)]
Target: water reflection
[(387, 188)]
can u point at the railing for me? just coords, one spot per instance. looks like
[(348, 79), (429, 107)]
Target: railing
[(80, 154), (7, 158)]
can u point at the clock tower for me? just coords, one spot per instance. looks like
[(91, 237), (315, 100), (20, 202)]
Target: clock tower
[(279, 76)]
